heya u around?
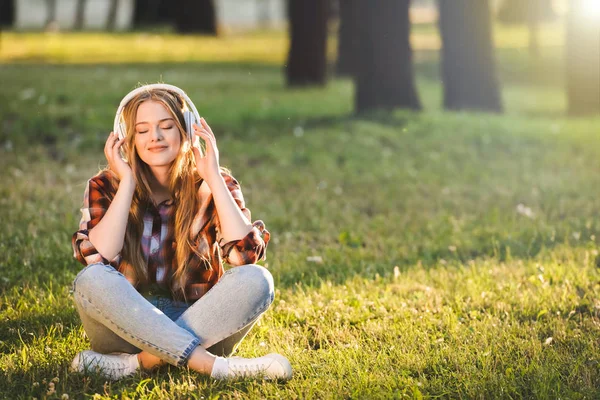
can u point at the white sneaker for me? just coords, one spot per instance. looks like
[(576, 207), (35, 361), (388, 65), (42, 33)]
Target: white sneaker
[(111, 366), (271, 366)]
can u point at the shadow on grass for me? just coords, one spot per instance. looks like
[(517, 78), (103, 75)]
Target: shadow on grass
[(24, 331), (167, 381)]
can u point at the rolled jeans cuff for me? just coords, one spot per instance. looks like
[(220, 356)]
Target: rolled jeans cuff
[(183, 359)]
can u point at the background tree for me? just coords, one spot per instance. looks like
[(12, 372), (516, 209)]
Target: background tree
[(111, 20), (530, 13), (384, 74), (468, 64), (347, 55), (50, 12), (196, 16), (153, 12), (7, 12), (307, 56), (519, 11), (583, 59), (79, 14)]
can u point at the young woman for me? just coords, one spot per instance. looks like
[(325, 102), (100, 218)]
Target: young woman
[(157, 226)]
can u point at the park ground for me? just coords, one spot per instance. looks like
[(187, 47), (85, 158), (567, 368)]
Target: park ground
[(415, 255)]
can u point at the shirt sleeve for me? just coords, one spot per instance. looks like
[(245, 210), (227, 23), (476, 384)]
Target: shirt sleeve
[(253, 247), (96, 200)]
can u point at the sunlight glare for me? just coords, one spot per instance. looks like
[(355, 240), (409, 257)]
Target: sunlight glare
[(591, 8)]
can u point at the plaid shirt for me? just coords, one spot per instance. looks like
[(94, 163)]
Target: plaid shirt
[(157, 242)]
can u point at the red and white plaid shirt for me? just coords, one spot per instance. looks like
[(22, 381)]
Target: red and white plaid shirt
[(158, 246)]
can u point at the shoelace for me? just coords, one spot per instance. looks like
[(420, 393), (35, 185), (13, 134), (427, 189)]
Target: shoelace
[(249, 369), (108, 366)]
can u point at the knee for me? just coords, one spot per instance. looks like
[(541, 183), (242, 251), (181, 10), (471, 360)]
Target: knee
[(93, 278), (257, 280)]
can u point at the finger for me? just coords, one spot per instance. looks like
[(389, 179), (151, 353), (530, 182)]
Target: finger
[(200, 128), (117, 148), (206, 136), (109, 140), (197, 154), (206, 126), (208, 140), (118, 143)]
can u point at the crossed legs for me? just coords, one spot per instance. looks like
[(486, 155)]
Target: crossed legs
[(117, 318)]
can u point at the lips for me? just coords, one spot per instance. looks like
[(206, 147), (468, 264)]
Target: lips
[(157, 149)]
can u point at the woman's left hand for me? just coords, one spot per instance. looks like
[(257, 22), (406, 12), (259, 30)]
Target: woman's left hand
[(207, 164)]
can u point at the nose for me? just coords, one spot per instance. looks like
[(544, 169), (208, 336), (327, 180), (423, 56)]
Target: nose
[(156, 134)]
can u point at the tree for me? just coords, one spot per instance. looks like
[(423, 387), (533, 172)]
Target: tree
[(6, 15), (7, 12), (384, 73), (196, 16), (521, 11), (307, 56), (347, 38), (50, 12), (583, 59), (111, 20), (531, 13), (153, 12), (468, 64), (79, 14)]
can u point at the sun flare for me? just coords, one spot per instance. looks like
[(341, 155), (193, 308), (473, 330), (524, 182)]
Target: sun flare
[(591, 8)]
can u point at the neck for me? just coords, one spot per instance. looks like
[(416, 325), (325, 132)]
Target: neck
[(159, 184)]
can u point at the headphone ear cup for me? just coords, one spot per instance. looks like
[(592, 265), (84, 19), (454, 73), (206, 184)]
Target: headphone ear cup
[(122, 130), (190, 120)]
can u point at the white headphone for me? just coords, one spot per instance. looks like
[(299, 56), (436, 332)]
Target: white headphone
[(190, 114)]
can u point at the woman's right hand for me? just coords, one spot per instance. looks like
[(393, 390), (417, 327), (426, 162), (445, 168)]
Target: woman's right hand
[(113, 156)]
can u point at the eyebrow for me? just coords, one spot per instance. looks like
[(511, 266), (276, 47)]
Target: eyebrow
[(146, 122)]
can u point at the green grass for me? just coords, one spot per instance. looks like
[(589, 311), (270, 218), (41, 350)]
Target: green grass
[(459, 252)]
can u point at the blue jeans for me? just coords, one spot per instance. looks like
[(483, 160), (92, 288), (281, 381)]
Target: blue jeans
[(117, 318)]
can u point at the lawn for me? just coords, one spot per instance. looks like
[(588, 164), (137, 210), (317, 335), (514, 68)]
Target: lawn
[(415, 255)]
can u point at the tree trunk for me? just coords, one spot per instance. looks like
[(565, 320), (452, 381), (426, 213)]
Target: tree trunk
[(79, 15), (196, 16), (347, 38), (263, 16), (533, 24), (50, 12), (7, 12), (468, 64), (111, 22), (384, 73), (153, 12), (520, 11), (530, 13), (307, 56), (583, 60)]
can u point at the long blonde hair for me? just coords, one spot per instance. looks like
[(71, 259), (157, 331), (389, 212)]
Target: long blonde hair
[(183, 180)]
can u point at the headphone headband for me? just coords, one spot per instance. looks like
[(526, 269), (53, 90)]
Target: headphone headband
[(135, 92)]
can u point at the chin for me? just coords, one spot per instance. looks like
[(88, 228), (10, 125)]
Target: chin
[(159, 161)]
